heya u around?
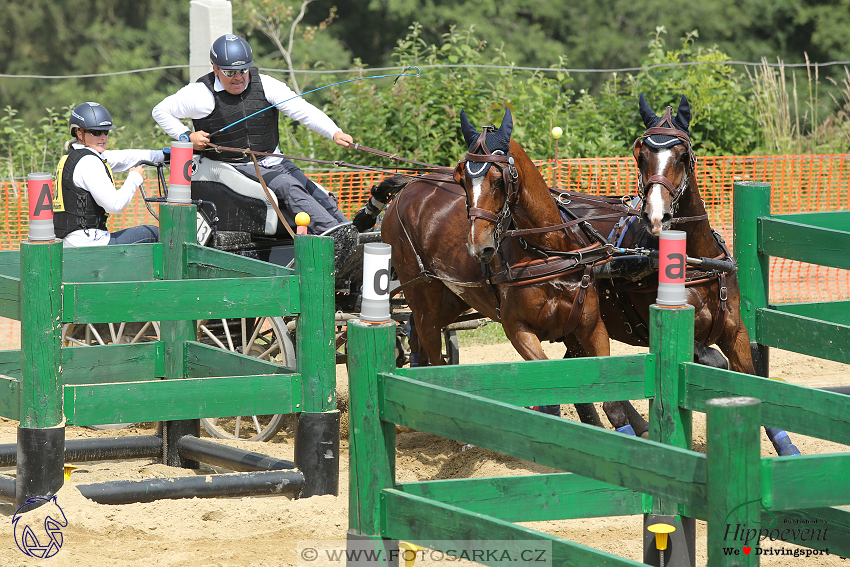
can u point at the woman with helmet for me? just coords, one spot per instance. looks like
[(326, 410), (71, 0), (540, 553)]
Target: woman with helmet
[(85, 192)]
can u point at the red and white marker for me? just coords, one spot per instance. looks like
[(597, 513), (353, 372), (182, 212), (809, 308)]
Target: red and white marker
[(180, 178), (671, 269), (40, 195)]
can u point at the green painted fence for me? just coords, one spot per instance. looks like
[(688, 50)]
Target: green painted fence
[(820, 329), (175, 282), (610, 473)]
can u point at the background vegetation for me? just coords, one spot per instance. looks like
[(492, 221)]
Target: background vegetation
[(736, 109)]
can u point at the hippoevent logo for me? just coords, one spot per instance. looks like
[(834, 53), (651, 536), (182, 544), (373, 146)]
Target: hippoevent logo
[(742, 539), (39, 532)]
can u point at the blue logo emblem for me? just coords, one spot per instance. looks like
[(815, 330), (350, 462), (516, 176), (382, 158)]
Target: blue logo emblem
[(42, 543)]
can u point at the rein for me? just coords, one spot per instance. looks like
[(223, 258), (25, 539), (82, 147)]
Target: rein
[(426, 167)]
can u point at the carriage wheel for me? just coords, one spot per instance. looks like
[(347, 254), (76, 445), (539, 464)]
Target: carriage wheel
[(109, 333), (267, 340), (452, 354), (90, 334)]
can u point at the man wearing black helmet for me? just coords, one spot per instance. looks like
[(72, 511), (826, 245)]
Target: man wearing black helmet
[(235, 89), (85, 190)]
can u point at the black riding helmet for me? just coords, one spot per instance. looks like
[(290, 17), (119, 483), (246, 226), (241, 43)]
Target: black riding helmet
[(231, 52), (90, 116)]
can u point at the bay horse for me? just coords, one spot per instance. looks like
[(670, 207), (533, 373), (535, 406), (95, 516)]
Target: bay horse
[(451, 254), (668, 198)]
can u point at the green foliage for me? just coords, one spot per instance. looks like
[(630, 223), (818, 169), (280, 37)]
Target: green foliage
[(25, 149), (418, 117), (721, 119)]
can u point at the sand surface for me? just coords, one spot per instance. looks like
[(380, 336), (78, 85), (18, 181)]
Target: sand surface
[(270, 531)]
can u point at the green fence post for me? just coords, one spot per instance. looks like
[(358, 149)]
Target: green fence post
[(671, 340), (371, 452), (751, 200), (41, 432), (177, 226), (733, 481), (317, 430)]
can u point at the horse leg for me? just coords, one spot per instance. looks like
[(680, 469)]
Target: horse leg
[(586, 411), (593, 337), (433, 306), (736, 346)]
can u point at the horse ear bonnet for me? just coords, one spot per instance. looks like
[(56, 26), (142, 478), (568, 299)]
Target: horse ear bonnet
[(498, 142), (681, 121)]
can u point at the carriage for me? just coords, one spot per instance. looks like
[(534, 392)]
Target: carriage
[(236, 214)]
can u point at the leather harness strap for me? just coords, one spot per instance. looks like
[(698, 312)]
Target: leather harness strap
[(720, 316), (578, 303)]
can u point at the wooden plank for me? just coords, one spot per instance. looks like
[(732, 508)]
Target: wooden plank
[(112, 363), (205, 361), (10, 263), (203, 262), (10, 297), (837, 541), (120, 263), (604, 455), (806, 481), (787, 406), (178, 300), (804, 335), (542, 382), (419, 520), (833, 220), (831, 311), (805, 243), (10, 363), (189, 398), (531, 498), (10, 397)]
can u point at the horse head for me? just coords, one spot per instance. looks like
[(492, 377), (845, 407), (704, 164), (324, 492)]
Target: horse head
[(665, 161), (490, 180)]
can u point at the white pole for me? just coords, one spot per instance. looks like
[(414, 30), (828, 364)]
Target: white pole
[(208, 20)]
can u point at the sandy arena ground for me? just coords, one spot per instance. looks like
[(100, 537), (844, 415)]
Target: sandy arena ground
[(269, 531)]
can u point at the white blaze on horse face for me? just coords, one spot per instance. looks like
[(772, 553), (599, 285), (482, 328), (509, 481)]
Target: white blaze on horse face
[(477, 183), (655, 196)]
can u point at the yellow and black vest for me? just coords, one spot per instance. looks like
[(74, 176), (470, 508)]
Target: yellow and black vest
[(258, 133), (74, 208)]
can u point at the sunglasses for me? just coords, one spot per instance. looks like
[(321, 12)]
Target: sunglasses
[(232, 72), (98, 133)]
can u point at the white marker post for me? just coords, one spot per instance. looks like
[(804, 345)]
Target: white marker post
[(671, 269), (376, 283)]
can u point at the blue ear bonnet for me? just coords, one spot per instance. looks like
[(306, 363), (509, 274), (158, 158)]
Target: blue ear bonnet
[(498, 142), (681, 121)]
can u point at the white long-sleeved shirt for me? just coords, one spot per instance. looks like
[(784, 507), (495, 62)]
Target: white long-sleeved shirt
[(196, 101), (91, 176)]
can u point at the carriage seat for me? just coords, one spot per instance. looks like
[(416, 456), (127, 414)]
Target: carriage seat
[(241, 203)]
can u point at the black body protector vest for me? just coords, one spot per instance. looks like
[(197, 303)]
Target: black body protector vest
[(74, 208), (258, 133)]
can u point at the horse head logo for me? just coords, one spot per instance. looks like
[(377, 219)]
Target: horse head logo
[(39, 513)]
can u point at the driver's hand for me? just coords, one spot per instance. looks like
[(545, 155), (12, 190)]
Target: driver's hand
[(140, 170), (199, 139), (343, 139)]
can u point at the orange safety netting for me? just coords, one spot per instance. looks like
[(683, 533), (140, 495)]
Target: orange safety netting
[(798, 184)]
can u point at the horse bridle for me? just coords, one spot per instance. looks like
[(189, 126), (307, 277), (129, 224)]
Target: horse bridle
[(510, 176), (676, 192)]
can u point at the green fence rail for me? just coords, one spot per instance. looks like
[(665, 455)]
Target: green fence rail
[(610, 474)]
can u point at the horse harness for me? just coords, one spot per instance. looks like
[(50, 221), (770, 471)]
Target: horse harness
[(675, 192)]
